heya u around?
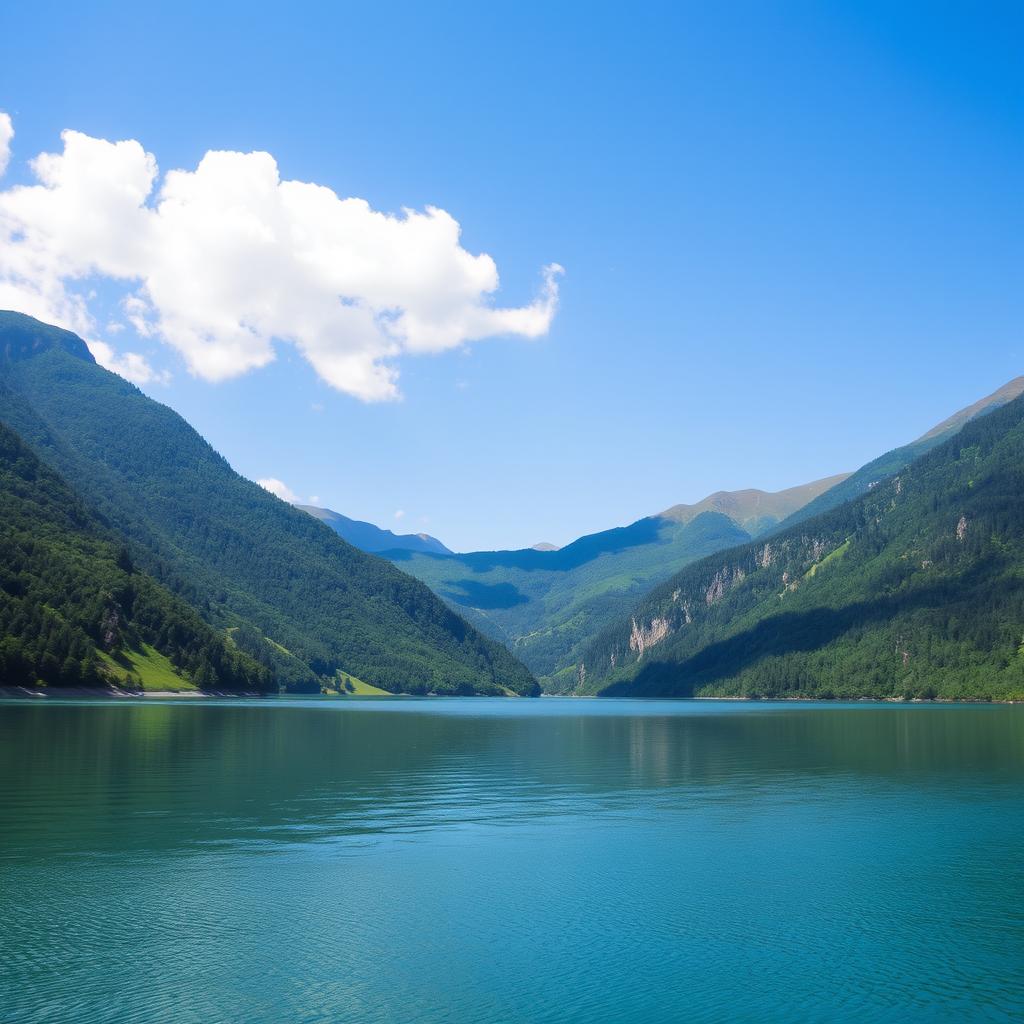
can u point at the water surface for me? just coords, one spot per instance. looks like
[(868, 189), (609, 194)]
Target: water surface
[(510, 861)]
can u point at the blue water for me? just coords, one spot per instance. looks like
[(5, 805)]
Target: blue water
[(510, 861)]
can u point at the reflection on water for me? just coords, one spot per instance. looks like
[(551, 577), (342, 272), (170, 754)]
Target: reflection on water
[(476, 860)]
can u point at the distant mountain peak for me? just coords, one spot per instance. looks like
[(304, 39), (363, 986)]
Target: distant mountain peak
[(544, 545), (754, 509), (374, 539), (22, 336)]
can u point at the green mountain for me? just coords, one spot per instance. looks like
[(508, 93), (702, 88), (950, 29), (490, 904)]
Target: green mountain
[(368, 537), (890, 463), (74, 611), (294, 594), (915, 588), (547, 604)]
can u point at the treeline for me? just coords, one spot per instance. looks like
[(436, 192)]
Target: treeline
[(914, 590), (69, 593)]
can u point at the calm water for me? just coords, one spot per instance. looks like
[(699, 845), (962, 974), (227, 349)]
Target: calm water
[(510, 861)]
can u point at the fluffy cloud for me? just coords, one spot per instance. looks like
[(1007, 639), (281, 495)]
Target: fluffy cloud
[(280, 488), (6, 134), (226, 259), (131, 365)]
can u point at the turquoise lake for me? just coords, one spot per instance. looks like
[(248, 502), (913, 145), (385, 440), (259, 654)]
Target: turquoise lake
[(476, 860)]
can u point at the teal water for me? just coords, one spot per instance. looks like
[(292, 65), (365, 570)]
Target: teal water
[(510, 861)]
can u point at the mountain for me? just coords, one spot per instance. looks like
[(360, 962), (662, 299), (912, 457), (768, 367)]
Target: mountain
[(293, 593), (914, 589), (892, 462), (74, 611), (753, 510), (368, 537), (547, 603)]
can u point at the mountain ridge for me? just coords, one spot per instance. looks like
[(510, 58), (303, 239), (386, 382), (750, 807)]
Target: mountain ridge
[(753, 509), (371, 538), (295, 593), (888, 464)]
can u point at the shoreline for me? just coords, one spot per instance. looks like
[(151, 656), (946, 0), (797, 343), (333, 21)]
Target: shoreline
[(114, 693)]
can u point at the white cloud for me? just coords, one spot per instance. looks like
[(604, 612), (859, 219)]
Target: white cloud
[(226, 259), (400, 514), (314, 499), (6, 134), (131, 365), (280, 488)]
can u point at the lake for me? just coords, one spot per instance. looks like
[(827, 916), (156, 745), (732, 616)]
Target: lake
[(477, 860)]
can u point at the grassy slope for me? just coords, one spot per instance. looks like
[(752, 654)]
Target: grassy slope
[(915, 589), (361, 689), (150, 667)]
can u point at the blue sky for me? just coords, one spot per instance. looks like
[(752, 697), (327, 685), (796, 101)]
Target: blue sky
[(791, 233)]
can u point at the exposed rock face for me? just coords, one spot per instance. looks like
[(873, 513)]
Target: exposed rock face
[(961, 529), (581, 675), (110, 627), (716, 591), (643, 637), (790, 560), (723, 579)]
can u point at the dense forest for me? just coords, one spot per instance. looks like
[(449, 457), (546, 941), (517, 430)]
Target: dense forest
[(915, 589), (295, 596), (72, 605)]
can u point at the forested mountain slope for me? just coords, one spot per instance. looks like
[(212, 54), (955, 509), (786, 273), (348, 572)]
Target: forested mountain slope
[(74, 611), (914, 589), (295, 594)]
